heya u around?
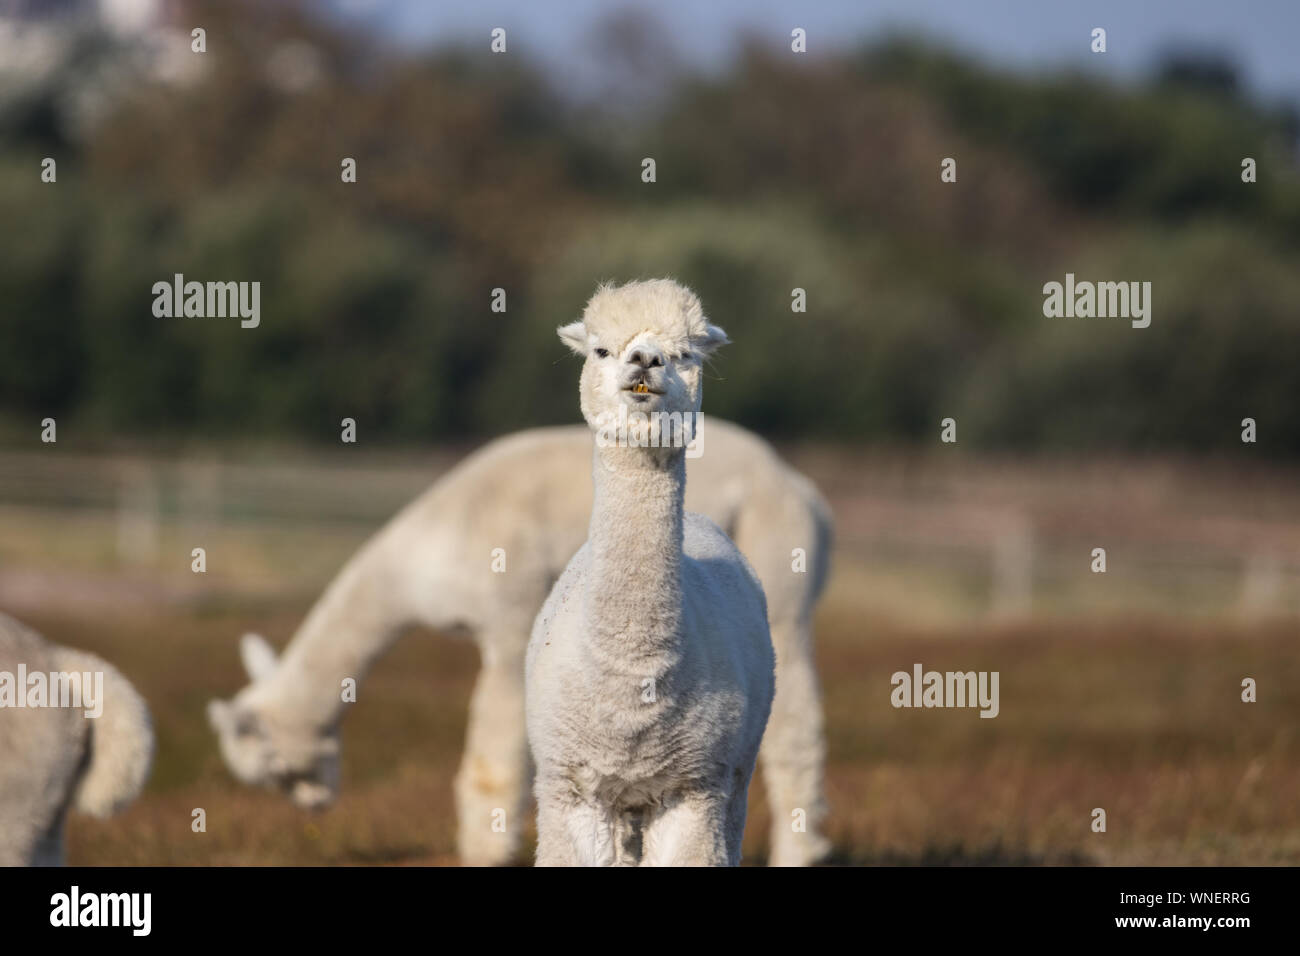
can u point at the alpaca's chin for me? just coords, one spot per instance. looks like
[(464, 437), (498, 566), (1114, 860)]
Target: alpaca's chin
[(642, 401), (653, 402)]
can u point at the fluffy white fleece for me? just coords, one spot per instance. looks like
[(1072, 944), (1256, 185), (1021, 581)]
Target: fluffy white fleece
[(56, 758), (650, 667)]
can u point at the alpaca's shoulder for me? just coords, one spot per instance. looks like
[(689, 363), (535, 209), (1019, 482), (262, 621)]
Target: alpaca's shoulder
[(510, 483), (715, 555), (704, 540), (532, 445), (510, 465)]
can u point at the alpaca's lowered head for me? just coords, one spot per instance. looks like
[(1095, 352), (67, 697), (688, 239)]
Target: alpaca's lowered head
[(644, 344), (259, 748)]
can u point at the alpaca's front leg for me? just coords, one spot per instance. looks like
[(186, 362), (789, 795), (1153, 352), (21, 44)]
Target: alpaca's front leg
[(794, 750), (571, 833), (492, 784), (554, 848), (691, 831)]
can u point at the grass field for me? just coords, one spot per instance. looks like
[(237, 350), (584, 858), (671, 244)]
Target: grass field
[(1143, 720), (1120, 691)]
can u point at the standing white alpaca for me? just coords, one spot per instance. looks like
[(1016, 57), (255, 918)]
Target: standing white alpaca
[(650, 667), (56, 757), (478, 552)]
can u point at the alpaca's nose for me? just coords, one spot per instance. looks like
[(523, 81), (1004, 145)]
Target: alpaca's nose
[(646, 357)]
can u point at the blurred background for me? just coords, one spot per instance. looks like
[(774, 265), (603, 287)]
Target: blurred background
[(774, 171)]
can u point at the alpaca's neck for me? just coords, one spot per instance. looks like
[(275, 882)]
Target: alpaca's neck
[(633, 593), (352, 623)]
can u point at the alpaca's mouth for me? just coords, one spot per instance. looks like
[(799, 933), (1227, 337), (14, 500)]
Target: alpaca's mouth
[(641, 388)]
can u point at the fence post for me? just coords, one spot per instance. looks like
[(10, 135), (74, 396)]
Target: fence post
[(137, 514), (1013, 565), (1261, 584)]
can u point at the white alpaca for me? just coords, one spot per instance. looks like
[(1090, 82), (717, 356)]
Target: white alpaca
[(433, 564), (650, 667), (56, 758)]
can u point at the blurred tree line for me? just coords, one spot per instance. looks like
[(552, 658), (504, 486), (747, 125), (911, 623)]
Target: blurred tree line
[(923, 298)]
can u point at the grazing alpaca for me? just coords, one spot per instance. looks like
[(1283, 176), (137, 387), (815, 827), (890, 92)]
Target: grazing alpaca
[(530, 495), (650, 667), (56, 757)]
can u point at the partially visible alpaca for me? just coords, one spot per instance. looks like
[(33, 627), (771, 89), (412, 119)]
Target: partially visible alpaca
[(650, 667), (56, 758)]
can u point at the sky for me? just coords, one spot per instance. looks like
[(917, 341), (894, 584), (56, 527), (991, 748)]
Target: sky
[(1261, 36)]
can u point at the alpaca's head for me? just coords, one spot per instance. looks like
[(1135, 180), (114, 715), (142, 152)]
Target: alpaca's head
[(644, 344), (259, 749)]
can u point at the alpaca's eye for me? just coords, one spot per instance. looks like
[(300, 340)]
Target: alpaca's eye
[(602, 353), (685, 356)]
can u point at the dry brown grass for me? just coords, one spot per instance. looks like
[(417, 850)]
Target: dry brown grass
[(1143, 719)]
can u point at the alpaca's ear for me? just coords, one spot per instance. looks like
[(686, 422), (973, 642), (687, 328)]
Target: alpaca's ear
[(712, 340), (258, 657), (574, 335)]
